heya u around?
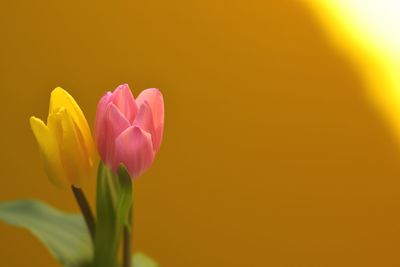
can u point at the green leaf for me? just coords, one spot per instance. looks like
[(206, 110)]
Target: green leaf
[(124, 202), (141, 260), (107, 232), (65, 235)]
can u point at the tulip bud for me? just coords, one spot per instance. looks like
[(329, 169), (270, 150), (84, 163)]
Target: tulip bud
[(65, 143), (129, 131)]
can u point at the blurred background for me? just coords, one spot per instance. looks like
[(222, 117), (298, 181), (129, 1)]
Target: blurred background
[(275, 152)]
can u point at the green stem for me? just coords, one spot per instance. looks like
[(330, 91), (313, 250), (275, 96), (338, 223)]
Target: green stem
[(127, 241), (107, 233), (127, 248), (85, 209)]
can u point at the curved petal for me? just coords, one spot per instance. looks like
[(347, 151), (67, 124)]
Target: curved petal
[(60, 98), (116, 123), (74, 156), (124, 100), (100, 123), (144, 120), (156, 102), (134, 149), (49, 151)]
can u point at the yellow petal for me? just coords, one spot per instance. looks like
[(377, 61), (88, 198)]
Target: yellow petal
[(49, 151), (61, 98), (74, 156)]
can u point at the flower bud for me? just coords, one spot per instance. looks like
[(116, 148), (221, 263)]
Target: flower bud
[(65, 143), (129, 131)]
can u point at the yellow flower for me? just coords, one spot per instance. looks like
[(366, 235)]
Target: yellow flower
[(65, 143)]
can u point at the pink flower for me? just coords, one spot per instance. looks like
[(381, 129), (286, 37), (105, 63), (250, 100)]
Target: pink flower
[(129, 131)]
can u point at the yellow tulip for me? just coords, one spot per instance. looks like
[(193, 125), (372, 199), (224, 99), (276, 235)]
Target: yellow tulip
[(65, 143)]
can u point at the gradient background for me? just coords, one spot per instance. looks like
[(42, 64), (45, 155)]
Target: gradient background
[(272, 154)]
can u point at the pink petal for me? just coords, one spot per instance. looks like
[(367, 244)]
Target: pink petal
[(116, 123), (124, 100), (144, 119), (156, 102), (100, 125), (134, 149)]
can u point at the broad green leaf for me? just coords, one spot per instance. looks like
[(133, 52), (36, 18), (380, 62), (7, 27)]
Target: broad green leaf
[(124, 202), (107, 232), (65, 235), (141, 260)]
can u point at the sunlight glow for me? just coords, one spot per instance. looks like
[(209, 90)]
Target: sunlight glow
[(369, 32)]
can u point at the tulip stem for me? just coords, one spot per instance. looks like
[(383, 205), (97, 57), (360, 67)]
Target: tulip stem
[(85, 209), (127, 247), (127, 242)]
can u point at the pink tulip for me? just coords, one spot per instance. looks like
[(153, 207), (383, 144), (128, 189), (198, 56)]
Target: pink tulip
[(129, 131)]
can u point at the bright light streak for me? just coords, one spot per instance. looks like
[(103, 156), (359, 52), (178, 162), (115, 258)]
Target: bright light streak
[(369, 32)]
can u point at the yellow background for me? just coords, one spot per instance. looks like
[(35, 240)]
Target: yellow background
[(272, 154)]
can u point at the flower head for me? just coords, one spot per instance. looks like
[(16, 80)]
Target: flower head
[(129, 131), (65, 143)]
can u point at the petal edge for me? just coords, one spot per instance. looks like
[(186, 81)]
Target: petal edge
[(134, 149)]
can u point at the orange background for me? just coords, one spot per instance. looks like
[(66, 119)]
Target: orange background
[(272, 154)]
